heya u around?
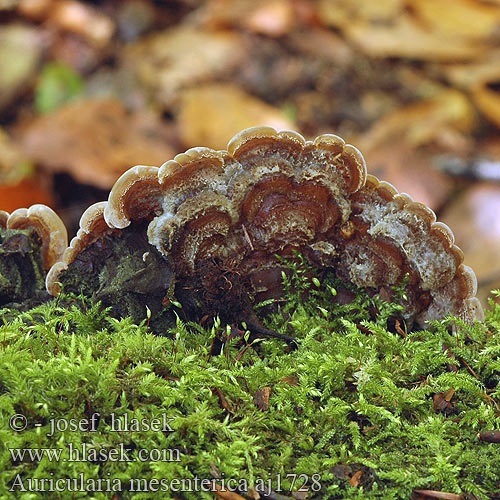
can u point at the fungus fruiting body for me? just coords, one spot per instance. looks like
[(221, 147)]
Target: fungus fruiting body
[(31, 241), (209, 227)]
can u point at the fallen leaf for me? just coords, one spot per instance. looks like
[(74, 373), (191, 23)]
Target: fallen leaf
[(8, 5), (441, 401), (35, 9), (271, 18), (341, 471), (475, 73), (409, 170), (399, 329), (21, 49), (406, 38), (274, 18), (95, 140), (177, 58), (261, 398), (488, 101), (79, 17), (473, 217), (291, 380), (356, 478), (253, 494), (212, 114), (322, 44), (462, 18), (226, 494), (339, 13), (421, 122)]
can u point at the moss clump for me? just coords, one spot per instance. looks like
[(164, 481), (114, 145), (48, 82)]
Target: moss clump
[(356, 410)]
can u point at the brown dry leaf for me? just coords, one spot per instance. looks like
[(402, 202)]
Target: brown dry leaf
[(291, 380), (442, 401), (82, 19), (356, 478), (96, 141), (341, 471), (73, 16), (462, 18), (424, 121), (261, 398), (476, 73), (399, 329), (339, 13), (321, 43), (473, 217), (406, 38), (226, 494), (8, 4), (34, 9), (182, 57), (271, 18), (488, 101), (210, 115), (253, 494), (409, 170)]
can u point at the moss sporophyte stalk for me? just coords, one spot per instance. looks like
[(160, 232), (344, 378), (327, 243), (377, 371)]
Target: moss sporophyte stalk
[(351, 410)]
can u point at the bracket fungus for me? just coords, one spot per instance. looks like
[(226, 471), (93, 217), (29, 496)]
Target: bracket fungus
[(32, 240), (209, 227)]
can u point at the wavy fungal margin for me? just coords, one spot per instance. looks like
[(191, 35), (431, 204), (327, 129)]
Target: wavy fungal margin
[(271, 193), (46, 223)]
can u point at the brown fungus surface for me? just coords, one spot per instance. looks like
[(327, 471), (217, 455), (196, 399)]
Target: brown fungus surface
[(31, 241), (218, 220)]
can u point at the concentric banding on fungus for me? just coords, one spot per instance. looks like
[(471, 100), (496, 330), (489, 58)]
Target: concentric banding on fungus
[(274, 192), (3, 218), (47, 224), (134, 196), (456, 297), (427, 246)]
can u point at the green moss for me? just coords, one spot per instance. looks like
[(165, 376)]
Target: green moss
[(355, 397)]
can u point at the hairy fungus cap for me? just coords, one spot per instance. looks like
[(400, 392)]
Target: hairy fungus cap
[(46, 223), (274, 192)]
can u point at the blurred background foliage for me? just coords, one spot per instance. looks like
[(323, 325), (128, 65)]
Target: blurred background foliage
[(91, 88)]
